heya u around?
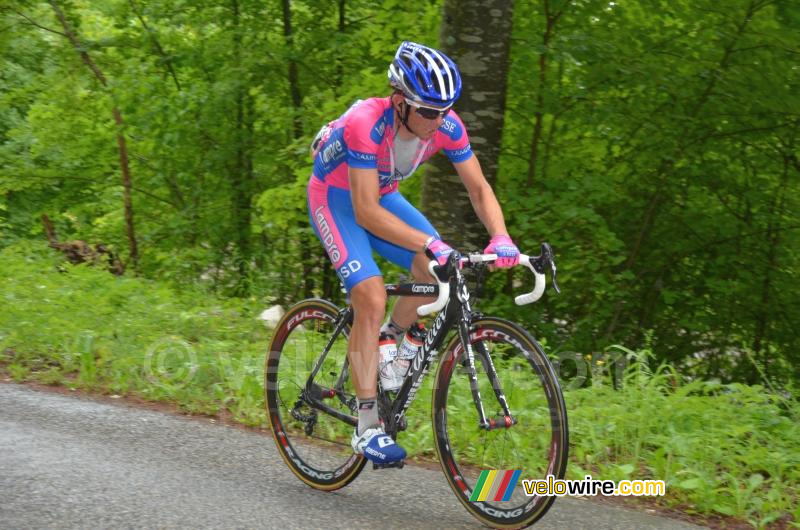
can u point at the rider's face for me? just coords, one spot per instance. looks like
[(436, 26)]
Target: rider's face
[(425, 128), (424, 121)]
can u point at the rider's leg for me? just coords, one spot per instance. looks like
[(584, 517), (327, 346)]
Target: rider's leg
[(369, 306), (405, 311), (348, 245), (349, 248), (368, 298)]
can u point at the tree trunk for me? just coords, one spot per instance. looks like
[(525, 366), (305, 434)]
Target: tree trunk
[(133, 247), (341, 29), (242, 165), (307, 258), (156, 44), (477, 37), (294, 87), (764, 314), (550, 23)]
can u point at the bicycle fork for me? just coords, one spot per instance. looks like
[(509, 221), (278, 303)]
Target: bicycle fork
[(501, 422)]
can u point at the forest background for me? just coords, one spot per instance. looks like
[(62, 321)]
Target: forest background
[(653, 143)]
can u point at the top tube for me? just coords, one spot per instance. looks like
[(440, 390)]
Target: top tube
[(412, 289)]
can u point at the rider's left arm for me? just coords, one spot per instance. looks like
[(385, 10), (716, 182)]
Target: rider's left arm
[(481, 195)]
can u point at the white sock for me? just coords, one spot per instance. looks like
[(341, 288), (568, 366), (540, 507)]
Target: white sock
[(367, 414)]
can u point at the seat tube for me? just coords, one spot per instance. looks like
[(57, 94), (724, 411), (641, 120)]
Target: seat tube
[(341, 322)]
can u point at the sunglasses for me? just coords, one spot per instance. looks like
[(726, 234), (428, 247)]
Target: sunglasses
[(428, 113)]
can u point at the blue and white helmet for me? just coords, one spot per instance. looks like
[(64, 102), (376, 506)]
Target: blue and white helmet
[(425, 75)]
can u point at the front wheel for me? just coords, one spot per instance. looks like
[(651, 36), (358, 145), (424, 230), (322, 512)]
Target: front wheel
[(484, 466)]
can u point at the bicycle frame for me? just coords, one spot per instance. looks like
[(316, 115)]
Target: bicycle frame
[(456, 313)]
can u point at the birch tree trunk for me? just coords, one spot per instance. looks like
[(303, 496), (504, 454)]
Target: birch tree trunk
[(476, 35)]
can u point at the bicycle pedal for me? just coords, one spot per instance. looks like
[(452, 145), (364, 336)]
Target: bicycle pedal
[(399, 464)]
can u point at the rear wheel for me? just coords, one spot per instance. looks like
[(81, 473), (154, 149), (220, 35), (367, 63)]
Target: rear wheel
[(314, 443), (479, 463)]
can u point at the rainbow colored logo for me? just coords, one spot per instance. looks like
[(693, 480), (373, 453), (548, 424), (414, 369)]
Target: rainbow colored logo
[(495, 485)]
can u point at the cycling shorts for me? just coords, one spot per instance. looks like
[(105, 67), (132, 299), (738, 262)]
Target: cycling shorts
[(349, 246)]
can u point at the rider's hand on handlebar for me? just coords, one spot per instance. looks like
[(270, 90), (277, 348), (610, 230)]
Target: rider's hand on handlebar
[(438, 250), (507, 252)]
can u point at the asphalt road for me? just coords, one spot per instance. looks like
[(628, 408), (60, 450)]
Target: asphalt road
[(73, 462)]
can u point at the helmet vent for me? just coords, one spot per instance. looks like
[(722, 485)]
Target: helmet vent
[(439, 64), (421, 79)]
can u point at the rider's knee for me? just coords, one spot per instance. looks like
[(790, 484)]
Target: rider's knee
[(369, 301)]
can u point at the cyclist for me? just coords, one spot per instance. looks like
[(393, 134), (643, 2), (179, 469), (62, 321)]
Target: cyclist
[(355, 208)]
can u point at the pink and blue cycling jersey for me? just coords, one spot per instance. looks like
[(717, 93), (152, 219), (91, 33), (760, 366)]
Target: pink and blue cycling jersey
[(363, 137)]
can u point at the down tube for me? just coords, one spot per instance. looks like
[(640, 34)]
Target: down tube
[(419, 366)]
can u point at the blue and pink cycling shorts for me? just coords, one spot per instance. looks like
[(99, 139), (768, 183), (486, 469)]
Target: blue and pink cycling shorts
[(349, 246)]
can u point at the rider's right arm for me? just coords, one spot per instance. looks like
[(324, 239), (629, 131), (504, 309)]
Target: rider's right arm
[(365, 193)]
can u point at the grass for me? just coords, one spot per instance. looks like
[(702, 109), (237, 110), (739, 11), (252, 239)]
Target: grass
[(730, 450), (721, 449), (84, 328)]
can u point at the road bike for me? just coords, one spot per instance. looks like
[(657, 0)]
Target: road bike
[(503, 412)]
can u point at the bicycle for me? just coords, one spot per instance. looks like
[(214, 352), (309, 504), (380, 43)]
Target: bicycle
[(311, 402)]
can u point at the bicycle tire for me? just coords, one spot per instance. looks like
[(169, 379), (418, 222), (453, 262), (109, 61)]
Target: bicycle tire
[(323, 458), (537, 445)]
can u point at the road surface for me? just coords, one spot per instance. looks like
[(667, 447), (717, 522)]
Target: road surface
[(69, 461)]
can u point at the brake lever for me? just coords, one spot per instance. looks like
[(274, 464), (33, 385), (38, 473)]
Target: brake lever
[(555, 283), (442, 275), (547, 258)]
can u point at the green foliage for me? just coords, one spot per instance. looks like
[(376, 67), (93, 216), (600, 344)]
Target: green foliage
[(727, 448), (83, 327), (665, 172), (665, 178)]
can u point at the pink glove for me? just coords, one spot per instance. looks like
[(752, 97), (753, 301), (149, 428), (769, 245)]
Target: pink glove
[(507, 252), (438, 250)]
